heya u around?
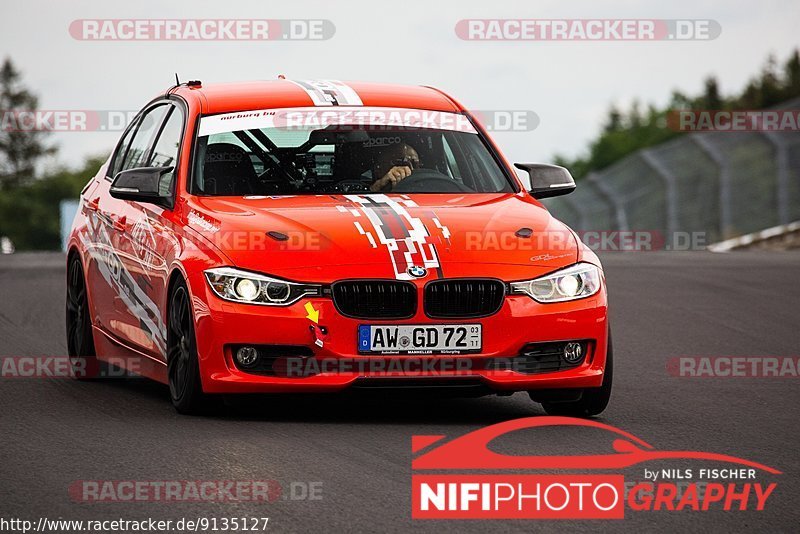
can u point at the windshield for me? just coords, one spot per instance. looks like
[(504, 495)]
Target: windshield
[(365, 150)]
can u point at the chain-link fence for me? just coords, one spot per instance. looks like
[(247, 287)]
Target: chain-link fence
[(722, 184)]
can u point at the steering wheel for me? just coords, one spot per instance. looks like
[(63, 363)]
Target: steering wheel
[(429, 181)]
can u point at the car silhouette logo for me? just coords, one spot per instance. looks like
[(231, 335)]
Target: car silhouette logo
[(471, 451), (417, 272)]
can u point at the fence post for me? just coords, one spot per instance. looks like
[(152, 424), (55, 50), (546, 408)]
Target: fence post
[(612, 199), (725, 219), (670, 184), (782, 177)]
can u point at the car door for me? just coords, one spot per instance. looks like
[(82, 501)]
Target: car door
[(150, 237), (131, 317), (102, 241)]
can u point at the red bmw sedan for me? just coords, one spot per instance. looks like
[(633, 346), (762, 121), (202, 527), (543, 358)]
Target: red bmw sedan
[(314, 236)]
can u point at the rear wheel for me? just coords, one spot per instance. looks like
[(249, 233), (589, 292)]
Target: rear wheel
[(80, 344), (183, 369), (594, 400)]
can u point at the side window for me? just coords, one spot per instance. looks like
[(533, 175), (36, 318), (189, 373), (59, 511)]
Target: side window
[(119, 155), (476, 165), (165, 152), (139, 148), (452, 165)]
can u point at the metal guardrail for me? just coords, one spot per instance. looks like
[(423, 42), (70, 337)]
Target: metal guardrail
[(723, 184)]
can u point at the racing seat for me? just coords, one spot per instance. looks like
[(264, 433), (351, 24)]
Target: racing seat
[(228, 170)]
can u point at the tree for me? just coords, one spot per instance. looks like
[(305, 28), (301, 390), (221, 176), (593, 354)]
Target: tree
[(711, 98), (750, 97), (792, 81), (613, 121), (770, 84), (635, 116), (679, 101), (39, 201), (20, 148)]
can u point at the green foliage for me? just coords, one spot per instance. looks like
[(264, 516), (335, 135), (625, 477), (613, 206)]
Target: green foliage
[(30, 214), (625, 132), (19, 149), (30, 204)]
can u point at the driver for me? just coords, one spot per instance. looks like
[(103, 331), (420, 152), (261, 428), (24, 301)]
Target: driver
[(394, 165)]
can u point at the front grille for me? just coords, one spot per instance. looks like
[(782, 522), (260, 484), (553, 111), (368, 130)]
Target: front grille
[(375, 299), (455, 298), (536, 358)]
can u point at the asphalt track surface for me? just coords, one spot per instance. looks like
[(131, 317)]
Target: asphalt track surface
[(57, 431)]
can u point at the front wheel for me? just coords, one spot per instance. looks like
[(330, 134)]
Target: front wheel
[(183, 369), (594, 400)]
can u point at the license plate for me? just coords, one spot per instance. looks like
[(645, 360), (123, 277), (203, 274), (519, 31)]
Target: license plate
[(419, 339)]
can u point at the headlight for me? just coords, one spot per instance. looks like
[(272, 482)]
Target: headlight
[(576, 282), (252, 288)]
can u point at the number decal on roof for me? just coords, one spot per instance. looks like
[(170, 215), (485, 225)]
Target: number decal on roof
[(329, 92)]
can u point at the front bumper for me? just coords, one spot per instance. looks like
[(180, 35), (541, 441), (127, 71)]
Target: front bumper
[(220, 325)]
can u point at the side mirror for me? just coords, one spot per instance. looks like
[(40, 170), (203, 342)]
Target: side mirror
[(548, 180), (141, 185)]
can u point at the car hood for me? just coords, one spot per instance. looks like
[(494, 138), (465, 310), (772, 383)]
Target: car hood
[(331, 237)]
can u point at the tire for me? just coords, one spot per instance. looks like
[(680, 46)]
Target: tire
[(594, 400), (183, 369), (80, 343)]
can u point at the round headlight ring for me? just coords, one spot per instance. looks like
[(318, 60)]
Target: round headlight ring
[(246, 289), (277, 292), (570, 285)]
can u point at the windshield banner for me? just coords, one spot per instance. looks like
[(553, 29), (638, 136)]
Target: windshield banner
[(314, 118)]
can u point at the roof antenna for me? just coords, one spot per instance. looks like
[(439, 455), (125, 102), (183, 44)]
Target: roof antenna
[(174, 87)]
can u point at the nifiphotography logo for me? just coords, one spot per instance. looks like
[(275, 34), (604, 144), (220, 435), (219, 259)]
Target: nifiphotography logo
[(467, 478)]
